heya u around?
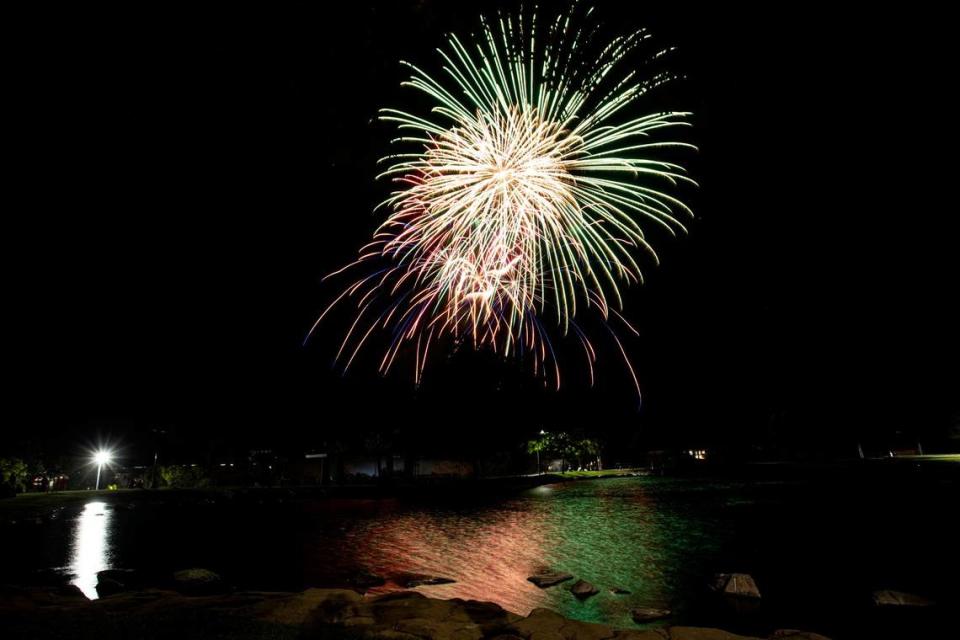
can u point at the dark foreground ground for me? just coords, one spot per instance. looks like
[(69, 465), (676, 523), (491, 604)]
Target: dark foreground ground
[(47, 614)]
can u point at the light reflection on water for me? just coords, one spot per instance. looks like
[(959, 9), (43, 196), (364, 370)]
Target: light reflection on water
[(614, 535), (89, 550), (659, 538), (626, 533)]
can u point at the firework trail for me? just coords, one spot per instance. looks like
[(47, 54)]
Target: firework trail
[(522, 200)]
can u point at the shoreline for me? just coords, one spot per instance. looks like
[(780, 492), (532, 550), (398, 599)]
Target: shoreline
[(946, 469), (41, 503)]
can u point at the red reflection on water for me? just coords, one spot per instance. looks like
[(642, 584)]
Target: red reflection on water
[(490, 558)]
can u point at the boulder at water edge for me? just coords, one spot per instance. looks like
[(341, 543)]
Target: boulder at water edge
[(411, 580), (738, 585), (583, 589), (887, 598), (550, 578), (198, 582), (648, 614)]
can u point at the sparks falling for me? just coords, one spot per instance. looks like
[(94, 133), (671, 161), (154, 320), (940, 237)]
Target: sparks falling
[(522, 200)]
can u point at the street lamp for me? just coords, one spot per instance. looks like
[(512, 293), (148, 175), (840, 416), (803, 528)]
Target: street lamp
[(101, 458), (539, 446)]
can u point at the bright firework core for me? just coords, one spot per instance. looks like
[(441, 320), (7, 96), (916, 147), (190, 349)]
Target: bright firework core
[(505, 187), (523, 201)]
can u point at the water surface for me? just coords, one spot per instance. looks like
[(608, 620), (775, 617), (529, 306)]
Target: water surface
[(816, 548)]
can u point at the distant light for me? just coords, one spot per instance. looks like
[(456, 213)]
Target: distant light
[(100, 458)]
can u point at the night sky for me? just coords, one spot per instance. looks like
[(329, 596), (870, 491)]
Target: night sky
[(188, 179)]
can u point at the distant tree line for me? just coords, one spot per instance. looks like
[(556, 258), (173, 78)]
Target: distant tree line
[(182, 476), (13, 476), (576, 452)]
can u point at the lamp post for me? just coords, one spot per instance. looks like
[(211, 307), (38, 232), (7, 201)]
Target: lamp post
[(101, 458), (542, 433)]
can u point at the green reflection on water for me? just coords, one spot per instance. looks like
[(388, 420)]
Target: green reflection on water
[(623, 533)]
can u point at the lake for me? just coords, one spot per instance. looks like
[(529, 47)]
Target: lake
[(817, 544)]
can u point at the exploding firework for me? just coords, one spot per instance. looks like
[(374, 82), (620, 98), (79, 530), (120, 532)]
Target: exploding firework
[(522, 200)]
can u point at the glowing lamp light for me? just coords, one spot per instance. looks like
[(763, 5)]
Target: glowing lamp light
[(101, 458)]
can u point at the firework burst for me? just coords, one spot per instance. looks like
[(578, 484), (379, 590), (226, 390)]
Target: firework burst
[(523, 199)]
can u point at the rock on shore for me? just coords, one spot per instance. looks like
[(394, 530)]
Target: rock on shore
[(550, 578), (737, 585), (583, 589), (648, 614), (411, 580), (405, 615), (198, 582), (888, 598)]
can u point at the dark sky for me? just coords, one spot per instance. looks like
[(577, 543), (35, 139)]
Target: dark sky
[(190, 177)]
